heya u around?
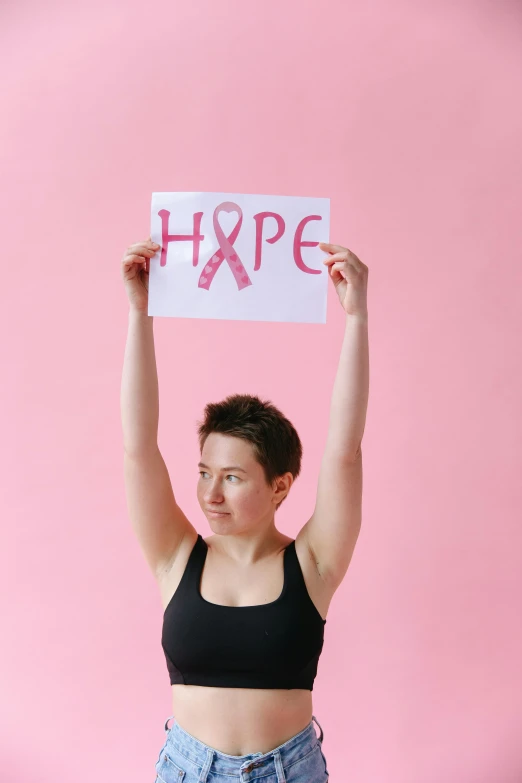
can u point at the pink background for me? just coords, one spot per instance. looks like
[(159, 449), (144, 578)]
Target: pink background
[(407, 115)]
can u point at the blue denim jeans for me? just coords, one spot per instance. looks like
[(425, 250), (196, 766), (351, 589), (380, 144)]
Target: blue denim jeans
[(184, 759)]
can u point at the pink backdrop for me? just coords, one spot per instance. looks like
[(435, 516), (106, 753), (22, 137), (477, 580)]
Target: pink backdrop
[(407, 115)]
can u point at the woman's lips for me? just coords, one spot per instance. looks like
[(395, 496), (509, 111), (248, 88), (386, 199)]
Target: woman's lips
[(217, 513)]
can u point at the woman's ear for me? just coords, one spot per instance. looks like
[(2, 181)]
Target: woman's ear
[(282, 486)]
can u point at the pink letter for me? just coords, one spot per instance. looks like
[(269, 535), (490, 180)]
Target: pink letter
[(166, 238), (260, 218), (299, 243)]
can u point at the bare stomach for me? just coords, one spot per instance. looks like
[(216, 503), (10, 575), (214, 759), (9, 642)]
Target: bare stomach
[(238, 721)]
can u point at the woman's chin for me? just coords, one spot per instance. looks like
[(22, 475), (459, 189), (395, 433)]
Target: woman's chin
[(219, 523)]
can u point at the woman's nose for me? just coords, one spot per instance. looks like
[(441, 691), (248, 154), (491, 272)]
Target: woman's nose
[(214, 492)]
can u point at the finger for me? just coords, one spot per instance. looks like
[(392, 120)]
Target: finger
[(332, 248), (342, 252), (336, 275), (346, 267), (148, 243), (140, 250), (346, 258), (335, 257), (128, 261)]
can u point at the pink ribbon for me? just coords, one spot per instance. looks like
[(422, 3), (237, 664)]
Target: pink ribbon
[(226, 250)]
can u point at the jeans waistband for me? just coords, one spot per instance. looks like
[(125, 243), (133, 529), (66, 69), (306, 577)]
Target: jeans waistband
[(205, 756)]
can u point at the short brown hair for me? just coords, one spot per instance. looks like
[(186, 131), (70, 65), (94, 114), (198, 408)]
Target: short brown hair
[(275, 442)]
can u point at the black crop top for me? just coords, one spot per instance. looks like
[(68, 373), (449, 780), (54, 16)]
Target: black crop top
[(274, 645)]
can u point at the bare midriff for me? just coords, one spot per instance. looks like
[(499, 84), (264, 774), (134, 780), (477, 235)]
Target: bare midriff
[(238, 721)]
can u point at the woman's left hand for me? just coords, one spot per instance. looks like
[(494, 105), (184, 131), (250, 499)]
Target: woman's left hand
[(350, 278)]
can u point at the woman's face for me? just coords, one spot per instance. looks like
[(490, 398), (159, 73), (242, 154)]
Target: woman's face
[(231, 481)]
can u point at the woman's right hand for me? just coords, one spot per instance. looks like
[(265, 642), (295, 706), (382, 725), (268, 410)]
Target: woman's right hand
[(135, 267)]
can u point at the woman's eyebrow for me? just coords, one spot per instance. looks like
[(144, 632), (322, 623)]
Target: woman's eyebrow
[(231, 467)]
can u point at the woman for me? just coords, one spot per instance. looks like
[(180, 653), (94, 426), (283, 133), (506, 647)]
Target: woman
[(245, 609)]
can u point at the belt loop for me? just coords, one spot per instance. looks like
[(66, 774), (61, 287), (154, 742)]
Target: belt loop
[(322, 733), (206, 766), (167, 729), (281, 777)]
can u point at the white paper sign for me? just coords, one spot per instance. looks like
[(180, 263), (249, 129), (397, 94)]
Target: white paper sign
[(239, 257)]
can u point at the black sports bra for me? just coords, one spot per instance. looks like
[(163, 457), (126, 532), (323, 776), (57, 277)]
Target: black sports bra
[(274, 645)]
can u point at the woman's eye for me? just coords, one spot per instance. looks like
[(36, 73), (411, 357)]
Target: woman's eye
[(204, 473)]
